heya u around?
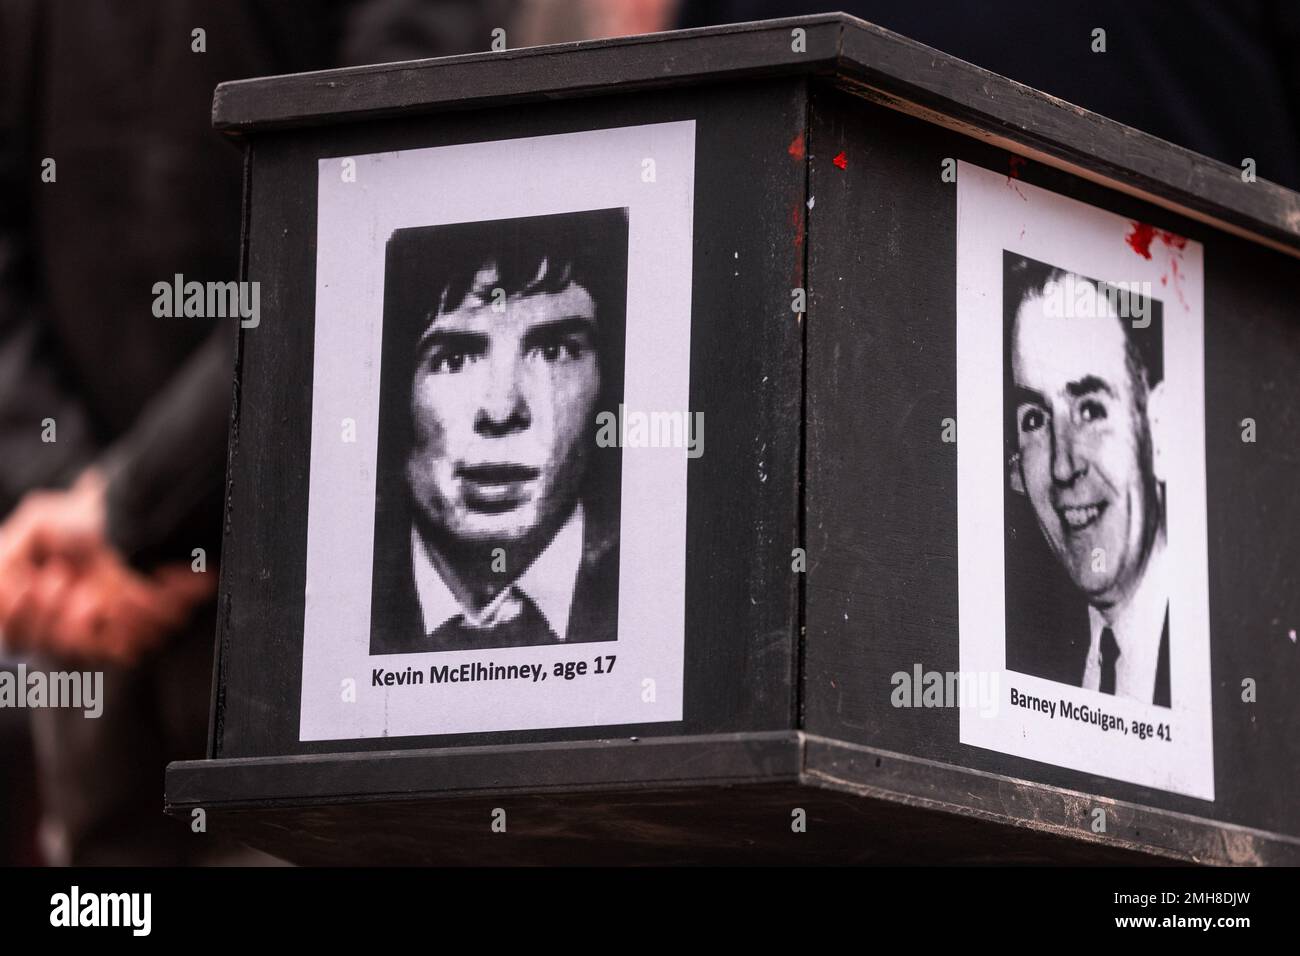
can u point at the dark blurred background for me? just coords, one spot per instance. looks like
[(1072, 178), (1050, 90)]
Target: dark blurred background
[(1221, 77), (117, 94)]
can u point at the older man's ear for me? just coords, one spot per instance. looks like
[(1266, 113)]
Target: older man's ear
[(1158, 420), (1015, 477)]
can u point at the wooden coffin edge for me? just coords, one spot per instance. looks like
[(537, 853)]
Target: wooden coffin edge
[(867, 60), (669, 764)]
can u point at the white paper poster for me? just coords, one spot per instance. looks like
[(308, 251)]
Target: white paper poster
[(481, 556), (1082, 486)]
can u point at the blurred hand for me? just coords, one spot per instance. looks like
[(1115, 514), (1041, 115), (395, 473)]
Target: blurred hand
[(48, 523), (630, 17), (65, 590)]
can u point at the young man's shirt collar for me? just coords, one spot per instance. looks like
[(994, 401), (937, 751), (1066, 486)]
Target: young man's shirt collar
[(548, 582)]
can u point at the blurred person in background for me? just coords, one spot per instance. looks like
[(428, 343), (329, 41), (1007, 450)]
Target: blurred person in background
[(539, 22), (112, 421)]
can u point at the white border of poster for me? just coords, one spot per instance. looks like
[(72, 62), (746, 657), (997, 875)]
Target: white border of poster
[(997, 214), (357, 213)]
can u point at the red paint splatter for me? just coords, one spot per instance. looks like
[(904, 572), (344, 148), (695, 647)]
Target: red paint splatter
[(1140, 239), (799, 224), (1014, 163), (1178, 286), (797, 149), (1143, 234), (841, 161)]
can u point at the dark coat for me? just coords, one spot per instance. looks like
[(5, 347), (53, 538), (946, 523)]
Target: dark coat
[(144, 188)]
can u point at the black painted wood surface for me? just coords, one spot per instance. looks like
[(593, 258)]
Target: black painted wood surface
[(822, 431), (742, 517), (857, 54), (881, 488)]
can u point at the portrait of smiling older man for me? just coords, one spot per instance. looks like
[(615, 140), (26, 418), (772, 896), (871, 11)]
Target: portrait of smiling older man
[(496, 518), (1086, 395)]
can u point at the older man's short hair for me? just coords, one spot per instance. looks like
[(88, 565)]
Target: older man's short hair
[(1025, 279)]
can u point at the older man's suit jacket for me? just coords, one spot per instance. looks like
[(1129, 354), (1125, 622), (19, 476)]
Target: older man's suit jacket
[(1051, 641), (1047, 628)]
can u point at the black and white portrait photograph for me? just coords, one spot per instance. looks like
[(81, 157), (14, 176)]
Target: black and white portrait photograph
[(1082, 539), (481, 553), (496, 511), (1085, 516)]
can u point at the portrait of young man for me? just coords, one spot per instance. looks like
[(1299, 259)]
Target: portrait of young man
[(1087, 592), (497, 513)]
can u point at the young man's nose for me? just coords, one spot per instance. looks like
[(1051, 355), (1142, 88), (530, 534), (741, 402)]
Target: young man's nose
[(1067, 463), (503, 407)]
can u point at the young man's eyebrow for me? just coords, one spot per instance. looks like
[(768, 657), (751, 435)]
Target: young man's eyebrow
[(557, 328), (1088, 385), (1027, 396), (451, 338)]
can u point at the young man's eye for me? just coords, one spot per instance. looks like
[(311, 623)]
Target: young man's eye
[(560, 350), (451, 361), (1092, 410), (1031, 419)]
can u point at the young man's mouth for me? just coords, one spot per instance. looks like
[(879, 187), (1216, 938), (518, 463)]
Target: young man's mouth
[(495, 487), (1076, 518)]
